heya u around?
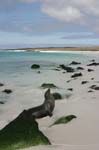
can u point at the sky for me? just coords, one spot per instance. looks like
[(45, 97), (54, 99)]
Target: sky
[(48, 23)]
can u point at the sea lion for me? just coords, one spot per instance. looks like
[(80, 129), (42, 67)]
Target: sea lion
[(46, 109)]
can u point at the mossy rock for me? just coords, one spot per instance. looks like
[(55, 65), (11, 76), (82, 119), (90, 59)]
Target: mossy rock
[(21, 133), (94, 87), (75, 63), (90, 70), (76, 75), (7, 91), (48, 85), (1, 84), (84, 82), (1, 102), (93, 64), (65, 119), (68, 69), (70, 89), (57, 96), (80, 68), (35, 66)]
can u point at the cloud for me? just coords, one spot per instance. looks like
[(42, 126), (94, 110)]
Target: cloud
[(83, 12), (73, 11), (61, 10)]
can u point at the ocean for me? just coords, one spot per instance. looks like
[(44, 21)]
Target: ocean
[(16, 64)]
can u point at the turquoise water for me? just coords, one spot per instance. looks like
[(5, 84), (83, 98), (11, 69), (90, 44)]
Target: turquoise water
[(9, 56)]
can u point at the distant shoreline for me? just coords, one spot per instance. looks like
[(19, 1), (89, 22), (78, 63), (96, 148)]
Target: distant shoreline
[(56, 49)]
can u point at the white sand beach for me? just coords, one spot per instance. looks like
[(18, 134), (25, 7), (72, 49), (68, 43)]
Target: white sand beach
[(81, 133)]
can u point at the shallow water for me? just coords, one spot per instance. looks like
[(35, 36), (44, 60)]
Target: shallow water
[(15, 67), (17, 63)]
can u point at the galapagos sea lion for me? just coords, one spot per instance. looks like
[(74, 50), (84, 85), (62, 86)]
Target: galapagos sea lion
[(46, 109)]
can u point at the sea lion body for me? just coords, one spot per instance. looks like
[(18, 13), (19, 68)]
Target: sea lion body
[(46, 109)]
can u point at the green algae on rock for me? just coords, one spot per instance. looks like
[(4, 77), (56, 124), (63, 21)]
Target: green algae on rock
[(64, 120), (21, 133), (57, 96)]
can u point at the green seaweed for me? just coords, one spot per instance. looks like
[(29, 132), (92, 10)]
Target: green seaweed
[(64, 120), (21, 133)]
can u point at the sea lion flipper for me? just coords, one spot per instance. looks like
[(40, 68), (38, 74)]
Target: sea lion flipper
[(50, 114), (48, 109)]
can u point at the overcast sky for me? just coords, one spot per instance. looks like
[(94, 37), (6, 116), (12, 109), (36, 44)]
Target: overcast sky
[(34, 23)]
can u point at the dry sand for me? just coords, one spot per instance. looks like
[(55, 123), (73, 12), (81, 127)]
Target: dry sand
[(81, 133)]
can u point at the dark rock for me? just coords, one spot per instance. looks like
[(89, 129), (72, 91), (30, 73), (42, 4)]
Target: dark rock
[(1, 102), (21, 133), (35, 66), (90, 91), (76, 75), (7, 91), (68, 95), (68, 69), (90, 70), (56, 69), (74, 78), (1, 84), (57, 96), (94, 87), (48, 85), (75, 63), (93, 60), (84, 82), (80, 68), (38, 72), (92, 78), (70, 89), (68, 81), (93, 64)]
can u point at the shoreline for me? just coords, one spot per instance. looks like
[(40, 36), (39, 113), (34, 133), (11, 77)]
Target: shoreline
[(56, 49)]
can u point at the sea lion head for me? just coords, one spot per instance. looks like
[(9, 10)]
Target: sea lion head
[(48, 96)]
